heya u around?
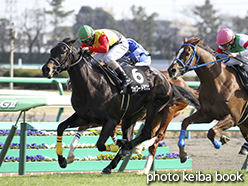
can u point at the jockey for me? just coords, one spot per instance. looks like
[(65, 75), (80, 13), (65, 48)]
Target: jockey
[(136, 54), (108, 45), (236, 46)]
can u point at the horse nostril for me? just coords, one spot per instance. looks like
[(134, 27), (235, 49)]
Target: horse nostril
[(173, 71), (45, 70)]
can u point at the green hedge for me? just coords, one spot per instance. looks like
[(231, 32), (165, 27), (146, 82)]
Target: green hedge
[(32, 73)]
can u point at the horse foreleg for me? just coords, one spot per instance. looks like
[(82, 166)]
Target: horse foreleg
[(113, 164), (226, 123), (73, 145), (198, 117), (61, 127), (127, 128), (59, 149), (107, 130)]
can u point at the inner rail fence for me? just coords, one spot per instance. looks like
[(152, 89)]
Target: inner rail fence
[(174, 126)]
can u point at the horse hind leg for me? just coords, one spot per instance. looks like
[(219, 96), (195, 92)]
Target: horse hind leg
[(244, 131), (223, 124), (150, 159)]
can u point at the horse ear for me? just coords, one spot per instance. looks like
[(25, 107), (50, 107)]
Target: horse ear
[(74, 41), (198, 41), (185, 39)]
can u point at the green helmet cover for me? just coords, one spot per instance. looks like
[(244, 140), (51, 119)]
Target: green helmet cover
[(85, 32)]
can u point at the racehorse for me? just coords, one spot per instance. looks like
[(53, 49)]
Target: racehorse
[(171, 111), (221, 95), (96, 100), (160, 124)]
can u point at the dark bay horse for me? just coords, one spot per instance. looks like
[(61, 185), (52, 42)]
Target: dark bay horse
[(172, 110), (222, 96), (96, 100)]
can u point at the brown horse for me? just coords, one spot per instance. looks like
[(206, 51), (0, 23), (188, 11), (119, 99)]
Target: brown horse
[(158, 132), (221, 95)]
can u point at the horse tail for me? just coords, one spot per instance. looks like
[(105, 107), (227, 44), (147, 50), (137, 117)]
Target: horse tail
[(185, 96)]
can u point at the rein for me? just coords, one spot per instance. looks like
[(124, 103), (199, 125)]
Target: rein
[(61, 65), (187, 66)]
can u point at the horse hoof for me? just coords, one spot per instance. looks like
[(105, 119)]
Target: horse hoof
[(70, 159), (243, 151), (121, 142), (125, 152), (106, 171), (141, 172), (62, 162), (224, 139), (183, 158)]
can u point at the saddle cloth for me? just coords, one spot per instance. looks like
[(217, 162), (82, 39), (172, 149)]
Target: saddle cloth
[(139, 83)]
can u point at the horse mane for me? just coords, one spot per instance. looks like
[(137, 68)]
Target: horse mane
[(202, 45)]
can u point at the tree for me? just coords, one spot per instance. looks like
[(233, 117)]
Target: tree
[(97, 19), (239, 25), (32, 28), (4, 34), (141, 27), (166, 39), (207, 22), (58, 17)]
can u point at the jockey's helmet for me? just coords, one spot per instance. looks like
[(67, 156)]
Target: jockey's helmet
[(224, 36), (85, 32)]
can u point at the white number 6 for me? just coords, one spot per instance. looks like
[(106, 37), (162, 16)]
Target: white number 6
[(137, 76)]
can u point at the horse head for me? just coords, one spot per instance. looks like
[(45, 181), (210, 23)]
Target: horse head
[(186, 58), (62, 56)]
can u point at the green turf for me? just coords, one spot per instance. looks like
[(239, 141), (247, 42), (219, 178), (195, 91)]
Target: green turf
[(116, 179)]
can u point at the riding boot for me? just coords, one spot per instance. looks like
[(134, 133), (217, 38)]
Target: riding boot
[(124, 78)]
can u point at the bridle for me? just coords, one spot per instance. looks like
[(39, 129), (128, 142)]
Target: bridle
[(63, 65), (187, 66)]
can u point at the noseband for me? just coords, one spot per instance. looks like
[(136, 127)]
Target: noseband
[(63, 65), (187, 65)]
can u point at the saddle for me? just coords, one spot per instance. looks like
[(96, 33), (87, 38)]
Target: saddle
[(139, 83), (242, 75)]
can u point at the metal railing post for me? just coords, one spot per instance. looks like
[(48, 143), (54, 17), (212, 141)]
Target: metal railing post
[(9, 140), (23, 145), (127, 158)]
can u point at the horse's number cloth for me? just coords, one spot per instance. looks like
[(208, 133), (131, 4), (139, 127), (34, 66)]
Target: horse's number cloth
[(140, 82)]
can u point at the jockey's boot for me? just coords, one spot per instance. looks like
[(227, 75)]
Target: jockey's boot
[(125, 79), (121, 74)]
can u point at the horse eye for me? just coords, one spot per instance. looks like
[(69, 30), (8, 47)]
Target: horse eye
[(187, 54), (63, 50)]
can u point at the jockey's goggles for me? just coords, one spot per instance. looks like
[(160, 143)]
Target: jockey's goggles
[(86, 41), (226, 45)]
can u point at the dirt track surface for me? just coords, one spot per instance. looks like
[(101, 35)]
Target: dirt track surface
[(205, 157)]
